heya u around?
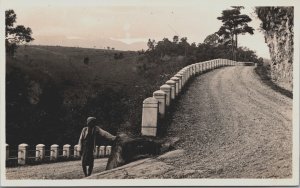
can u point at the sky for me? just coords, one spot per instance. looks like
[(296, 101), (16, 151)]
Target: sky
[(128, 24)]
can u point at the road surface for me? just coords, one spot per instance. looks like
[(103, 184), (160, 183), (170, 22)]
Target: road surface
[(230, 125)]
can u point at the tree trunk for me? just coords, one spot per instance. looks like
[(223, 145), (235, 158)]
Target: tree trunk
[(236, 44), (232, 46)]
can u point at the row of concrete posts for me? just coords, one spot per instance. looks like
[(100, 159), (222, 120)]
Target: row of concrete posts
[(155, 107), (100, 151)]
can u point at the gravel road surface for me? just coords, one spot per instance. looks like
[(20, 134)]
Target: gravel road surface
[(233, 126)]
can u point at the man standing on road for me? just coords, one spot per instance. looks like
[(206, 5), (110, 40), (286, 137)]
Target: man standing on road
[(87, 143)]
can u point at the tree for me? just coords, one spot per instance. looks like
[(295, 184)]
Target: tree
[(234, 24), (151, 44), (212, 39), (183, 44), (15, 35), (175, 39)]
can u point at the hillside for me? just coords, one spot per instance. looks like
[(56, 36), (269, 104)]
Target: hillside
[(50, 91)]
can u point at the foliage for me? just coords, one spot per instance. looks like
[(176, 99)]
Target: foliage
[(234, 24), (118, 55), (212, 39), (15, 35), (211, 48)]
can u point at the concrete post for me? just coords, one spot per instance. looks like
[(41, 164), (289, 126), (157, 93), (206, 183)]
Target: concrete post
[(183, 77), (96, 151), (181, 72), (101, 151), (40, 152), (186, 70), (179, 76), (149, 117), (160, 96), (7, 151), (107, 150), (193, 69), (66, 150), (198, 68), (167, 89), (176, 80), (188, 73), (76, 151), (22, 154), (173, 88), (54, 152)]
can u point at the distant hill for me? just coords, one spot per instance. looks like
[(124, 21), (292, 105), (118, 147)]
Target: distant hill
[(99, 43)]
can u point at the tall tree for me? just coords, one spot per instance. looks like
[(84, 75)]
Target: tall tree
[(234, 24), (15, 35)]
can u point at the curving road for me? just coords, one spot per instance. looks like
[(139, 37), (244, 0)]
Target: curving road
[(230, 125), (233, 126)]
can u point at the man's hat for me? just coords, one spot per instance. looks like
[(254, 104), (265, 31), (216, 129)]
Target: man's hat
[(89, 119)]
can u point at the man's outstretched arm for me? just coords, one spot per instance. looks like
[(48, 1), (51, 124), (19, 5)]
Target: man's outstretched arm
[(105, 134)]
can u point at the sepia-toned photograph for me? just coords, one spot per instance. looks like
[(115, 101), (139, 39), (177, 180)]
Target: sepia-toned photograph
[(150, 93)]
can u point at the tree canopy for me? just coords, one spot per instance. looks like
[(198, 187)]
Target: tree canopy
[(234, 24), (15, 35)]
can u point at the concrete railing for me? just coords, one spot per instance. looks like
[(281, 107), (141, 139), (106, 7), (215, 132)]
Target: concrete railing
[(155, 107), (55, 153)]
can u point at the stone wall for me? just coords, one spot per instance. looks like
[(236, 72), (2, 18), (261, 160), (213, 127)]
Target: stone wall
[(277, 25)]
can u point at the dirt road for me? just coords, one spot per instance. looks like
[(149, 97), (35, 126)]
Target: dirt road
[(230, 125), (233, 126)]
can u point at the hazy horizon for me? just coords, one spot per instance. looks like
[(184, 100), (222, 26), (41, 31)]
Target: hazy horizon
[(127, 25)]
